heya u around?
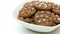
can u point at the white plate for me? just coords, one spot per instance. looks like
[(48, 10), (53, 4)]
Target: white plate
[(33, 27)]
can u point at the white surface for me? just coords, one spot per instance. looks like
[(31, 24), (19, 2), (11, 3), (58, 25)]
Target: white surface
[(8, 25)]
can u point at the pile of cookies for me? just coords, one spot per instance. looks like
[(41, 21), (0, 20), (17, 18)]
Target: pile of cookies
[(40, 13)]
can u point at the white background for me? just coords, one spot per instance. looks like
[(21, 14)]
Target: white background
[(8, 25)]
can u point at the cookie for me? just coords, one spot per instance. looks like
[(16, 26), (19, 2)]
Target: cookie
[(27, 11), (43, 18)]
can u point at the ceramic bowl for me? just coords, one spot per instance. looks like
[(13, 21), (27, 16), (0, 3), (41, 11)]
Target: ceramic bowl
[(33, 27)]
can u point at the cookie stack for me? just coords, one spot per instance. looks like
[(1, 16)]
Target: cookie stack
[(40, 13)]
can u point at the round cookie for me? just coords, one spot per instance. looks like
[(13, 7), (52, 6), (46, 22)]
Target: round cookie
[(56, 9), (27, 11), (44, 18), (42, 5)]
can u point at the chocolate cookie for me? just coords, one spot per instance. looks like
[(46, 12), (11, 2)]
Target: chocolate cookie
[(27, 10), (43, 18)]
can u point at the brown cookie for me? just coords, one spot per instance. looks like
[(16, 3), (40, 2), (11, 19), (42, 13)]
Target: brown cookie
[(27, 11), (43, 18)]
